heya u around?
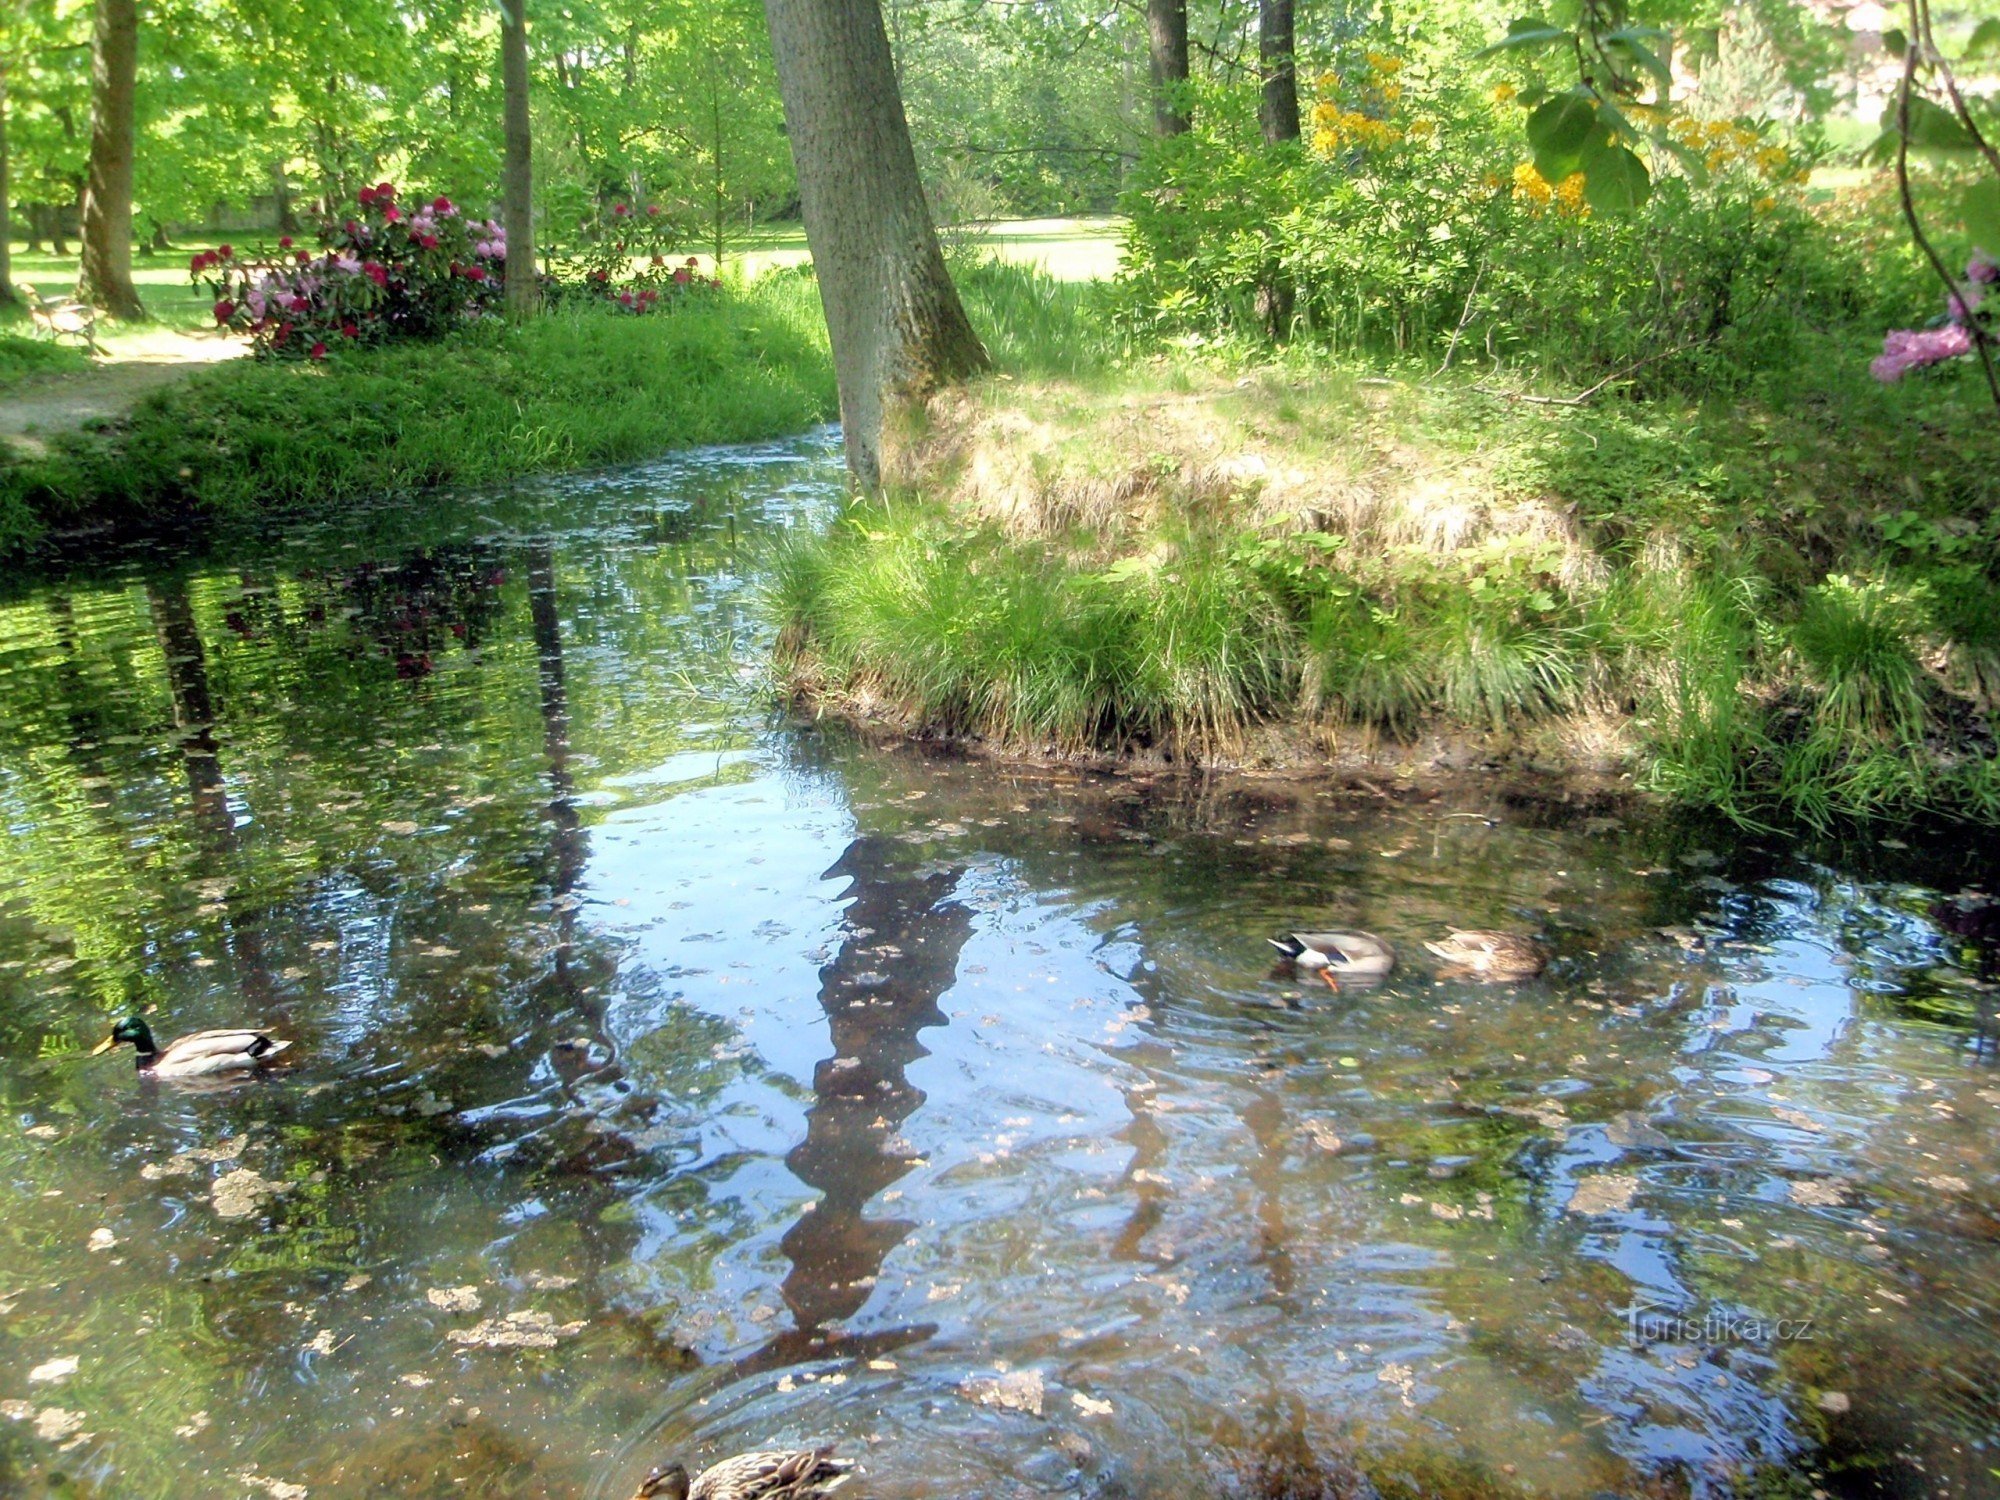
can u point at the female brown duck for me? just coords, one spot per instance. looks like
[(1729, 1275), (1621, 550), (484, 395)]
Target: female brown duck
[(780, 1474)]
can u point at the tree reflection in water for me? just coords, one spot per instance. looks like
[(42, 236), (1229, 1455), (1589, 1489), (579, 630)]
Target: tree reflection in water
[(904, 937)]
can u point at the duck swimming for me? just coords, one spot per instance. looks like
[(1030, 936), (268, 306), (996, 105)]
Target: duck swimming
[(201, 1054), (1492, 955), (1356, 955), (779, 1474)]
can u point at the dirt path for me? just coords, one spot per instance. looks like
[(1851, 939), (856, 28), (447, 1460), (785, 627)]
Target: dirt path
[(38, 409)]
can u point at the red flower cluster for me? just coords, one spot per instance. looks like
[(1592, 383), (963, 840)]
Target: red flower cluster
[(381, 275)]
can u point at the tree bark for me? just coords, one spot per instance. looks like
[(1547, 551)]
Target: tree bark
[(1278, 114), (1276, 55), (517, 202), (7, 298), (1167, 50), (281, 192), (106, 232), (893, 316)]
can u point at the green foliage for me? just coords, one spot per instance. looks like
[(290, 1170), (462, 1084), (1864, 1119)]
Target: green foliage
[(1408, 224), (567, 390)]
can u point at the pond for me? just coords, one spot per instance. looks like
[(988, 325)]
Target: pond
[(671, 1078)]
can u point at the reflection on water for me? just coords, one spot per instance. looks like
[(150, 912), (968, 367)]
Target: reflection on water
[(674, 1080)]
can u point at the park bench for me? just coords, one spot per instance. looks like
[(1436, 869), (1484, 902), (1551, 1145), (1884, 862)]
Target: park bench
[(63, 318)]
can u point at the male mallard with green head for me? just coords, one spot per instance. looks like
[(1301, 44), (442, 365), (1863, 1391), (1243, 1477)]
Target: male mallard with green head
[(1492, 955), (780, 1474), (201, 1054), (1352, 955)]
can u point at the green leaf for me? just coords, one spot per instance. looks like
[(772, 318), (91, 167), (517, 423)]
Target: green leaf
[(1985, 40), (1524, 32), (1614, 180), (1646, 58), (1981, 209), (1935, 128), (1692, 162), (1894, 42), (1561, 126)]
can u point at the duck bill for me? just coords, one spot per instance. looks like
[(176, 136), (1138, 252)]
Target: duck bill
[(104, 1046)]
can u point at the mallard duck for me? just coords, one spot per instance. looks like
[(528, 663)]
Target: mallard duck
[(1493, 955), (780, 1474), (202, 1054), (1357, 955)]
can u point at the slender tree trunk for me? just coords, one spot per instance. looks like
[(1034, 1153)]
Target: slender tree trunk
[(1278, 114), (1167, 49), (1276, 54), (106, 277), (517, 209), (7, 298), (715, 136), (897, 327), (281, 191)]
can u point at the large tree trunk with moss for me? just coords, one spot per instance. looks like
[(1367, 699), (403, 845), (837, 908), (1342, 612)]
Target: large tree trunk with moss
[(106, 278), (517, 197), (897, 327), (1278, 112), (7, 298), (1167, 52)]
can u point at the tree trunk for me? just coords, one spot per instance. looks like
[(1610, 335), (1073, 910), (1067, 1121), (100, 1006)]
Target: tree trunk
[(7, 297), (1167, 49), (1279, 111), (1278, 114), (106, 278), (893, 316), (517, 210), (281, 192)]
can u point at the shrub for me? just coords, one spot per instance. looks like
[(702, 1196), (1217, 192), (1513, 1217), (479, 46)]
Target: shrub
[(384, 274), (1407, 221)]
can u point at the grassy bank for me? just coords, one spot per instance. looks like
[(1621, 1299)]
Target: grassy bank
[(565, 390), (1784, 602)]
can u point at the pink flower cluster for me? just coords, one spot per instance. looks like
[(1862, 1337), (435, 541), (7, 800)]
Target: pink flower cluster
[(1907, 349), (384, 274)]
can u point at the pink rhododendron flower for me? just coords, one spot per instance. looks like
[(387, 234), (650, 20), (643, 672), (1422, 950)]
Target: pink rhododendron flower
[(441, 203), (284, 242), (393, 214), (620, 210), (350, 331), (350, 264), (224, 310), (683, 274), (225, 251), (376, 273), (1982, 269), (652, 210), (318, 350), (1906, 349)]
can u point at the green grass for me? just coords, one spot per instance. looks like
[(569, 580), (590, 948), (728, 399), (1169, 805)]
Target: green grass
[(562, 391), (1781, 606), (24, 358)]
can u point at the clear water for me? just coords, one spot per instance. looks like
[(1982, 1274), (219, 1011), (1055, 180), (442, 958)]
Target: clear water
[(795, 1090)]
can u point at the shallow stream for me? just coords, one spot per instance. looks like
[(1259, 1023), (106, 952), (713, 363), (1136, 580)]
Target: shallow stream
[(673, 1079)]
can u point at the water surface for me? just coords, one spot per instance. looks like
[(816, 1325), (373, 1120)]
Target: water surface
[(673, 1078)]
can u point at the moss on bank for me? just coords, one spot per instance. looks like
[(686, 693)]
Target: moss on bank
[(1783, 605), (562, 391)]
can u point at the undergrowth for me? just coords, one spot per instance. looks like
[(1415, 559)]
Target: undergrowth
[(1779, 607)]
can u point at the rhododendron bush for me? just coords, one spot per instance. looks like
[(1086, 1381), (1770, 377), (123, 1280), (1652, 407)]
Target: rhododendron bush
[(389, 271), (624, 256)]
